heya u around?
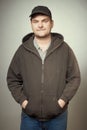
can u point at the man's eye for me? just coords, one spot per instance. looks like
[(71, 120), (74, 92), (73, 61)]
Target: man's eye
[(34, 21), (46, 20)]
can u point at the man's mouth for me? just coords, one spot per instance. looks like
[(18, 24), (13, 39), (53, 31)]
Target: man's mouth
[(41, 30)]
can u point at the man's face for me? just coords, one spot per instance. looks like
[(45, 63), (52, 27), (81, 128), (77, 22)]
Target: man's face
[(41, 25)]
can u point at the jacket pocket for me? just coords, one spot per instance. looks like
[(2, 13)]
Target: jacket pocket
[(32, 107), (59, 107), (51, 107)]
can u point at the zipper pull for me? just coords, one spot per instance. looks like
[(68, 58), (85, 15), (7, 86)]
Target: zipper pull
[(42, 62)]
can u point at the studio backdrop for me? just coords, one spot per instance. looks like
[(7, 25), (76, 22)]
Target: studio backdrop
[(70, 19)]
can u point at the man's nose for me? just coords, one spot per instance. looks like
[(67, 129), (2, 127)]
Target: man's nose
[(40, 24)]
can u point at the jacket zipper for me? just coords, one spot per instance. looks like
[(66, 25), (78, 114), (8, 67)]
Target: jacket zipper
[(42, 78), (42, 85)]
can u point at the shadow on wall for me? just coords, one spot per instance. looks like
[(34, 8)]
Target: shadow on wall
[(78, 107)]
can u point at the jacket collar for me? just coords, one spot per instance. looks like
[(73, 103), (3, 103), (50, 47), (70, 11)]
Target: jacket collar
[(57, 40)]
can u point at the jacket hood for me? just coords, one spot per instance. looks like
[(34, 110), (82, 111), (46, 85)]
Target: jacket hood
[(55, 35), (57, 40)]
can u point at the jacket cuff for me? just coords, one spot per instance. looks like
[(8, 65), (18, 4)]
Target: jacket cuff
[(64, 98), (22, 100)]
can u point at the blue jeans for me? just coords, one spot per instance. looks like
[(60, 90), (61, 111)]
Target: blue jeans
[(58, 123)]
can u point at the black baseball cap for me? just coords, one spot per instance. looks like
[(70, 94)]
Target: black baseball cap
[(41, 10)]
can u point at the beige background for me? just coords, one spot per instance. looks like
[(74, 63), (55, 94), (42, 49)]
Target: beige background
[(70, 18)]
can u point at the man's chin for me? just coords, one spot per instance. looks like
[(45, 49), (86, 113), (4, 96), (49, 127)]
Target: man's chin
[(42, 36)]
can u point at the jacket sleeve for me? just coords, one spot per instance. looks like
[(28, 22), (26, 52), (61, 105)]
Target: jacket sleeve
[(14, 80), (72, 77)]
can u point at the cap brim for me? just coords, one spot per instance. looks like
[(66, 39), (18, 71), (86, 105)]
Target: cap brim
[(39, 12)]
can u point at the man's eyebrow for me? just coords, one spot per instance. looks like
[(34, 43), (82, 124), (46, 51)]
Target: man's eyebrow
[(41, 20)]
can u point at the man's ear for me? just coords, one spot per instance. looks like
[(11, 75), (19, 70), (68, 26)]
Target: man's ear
[(52, 24)]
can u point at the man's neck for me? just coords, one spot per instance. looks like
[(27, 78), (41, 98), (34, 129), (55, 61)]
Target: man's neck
[(43, 42)]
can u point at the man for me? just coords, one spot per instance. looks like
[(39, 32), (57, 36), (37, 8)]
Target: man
[(43, 75)]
